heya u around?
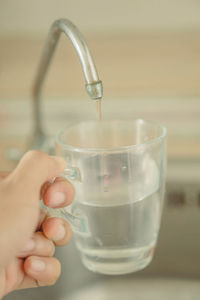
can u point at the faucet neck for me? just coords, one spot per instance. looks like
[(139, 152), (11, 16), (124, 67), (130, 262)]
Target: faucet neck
[(93, 84)]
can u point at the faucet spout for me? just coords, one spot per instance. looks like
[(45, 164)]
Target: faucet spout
[(93, 85)]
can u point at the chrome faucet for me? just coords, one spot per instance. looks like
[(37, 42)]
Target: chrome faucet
[(93, 84)]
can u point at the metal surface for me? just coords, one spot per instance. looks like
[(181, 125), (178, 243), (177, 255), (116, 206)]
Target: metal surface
[(93, 85), (145, 289)]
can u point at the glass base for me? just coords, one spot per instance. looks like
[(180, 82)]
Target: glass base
[(139, 259)]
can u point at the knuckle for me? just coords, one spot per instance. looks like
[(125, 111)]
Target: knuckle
[(52, 282), (51, 249), (66, 240), (56, 271), (59, 269), (44, 246), (73, 192), (48, 283), (69, 233), (36, 155)]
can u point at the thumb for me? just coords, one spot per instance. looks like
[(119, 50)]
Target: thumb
[(36, 167)]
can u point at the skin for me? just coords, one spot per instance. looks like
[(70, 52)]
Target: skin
[(28, 234)]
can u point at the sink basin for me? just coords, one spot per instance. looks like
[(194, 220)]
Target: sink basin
[(140, 289)]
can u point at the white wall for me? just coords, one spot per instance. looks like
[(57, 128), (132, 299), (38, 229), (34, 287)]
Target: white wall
[(35, 16)]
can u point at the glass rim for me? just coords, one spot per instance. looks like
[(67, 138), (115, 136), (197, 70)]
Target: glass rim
[(113, 149)]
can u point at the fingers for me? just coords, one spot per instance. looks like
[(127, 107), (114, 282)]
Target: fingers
[(37, 271), (58, 194), (43, 214), (57, 230), (39, 245), (20, 195), (41, 271)]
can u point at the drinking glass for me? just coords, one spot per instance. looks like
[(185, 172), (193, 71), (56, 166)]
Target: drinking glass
[(118, 171)]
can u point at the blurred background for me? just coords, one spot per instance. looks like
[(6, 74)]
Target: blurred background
[(147, 54), (140, 47)]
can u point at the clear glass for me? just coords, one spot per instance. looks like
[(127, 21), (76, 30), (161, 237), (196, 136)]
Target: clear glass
[(118, 171)]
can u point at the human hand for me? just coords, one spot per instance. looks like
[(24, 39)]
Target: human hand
[(28, 235)]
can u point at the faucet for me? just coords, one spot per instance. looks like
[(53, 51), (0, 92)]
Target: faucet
[(93, 85)]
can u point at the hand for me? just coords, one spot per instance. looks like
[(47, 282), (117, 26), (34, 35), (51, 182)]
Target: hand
[(28, 235)]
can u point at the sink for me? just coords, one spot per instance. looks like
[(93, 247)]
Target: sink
[(140, 289), (173, 274)]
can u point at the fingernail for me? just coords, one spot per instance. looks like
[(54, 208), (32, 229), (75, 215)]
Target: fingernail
[(30, 245), (60, 234), (57, 199), (37, 265)]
